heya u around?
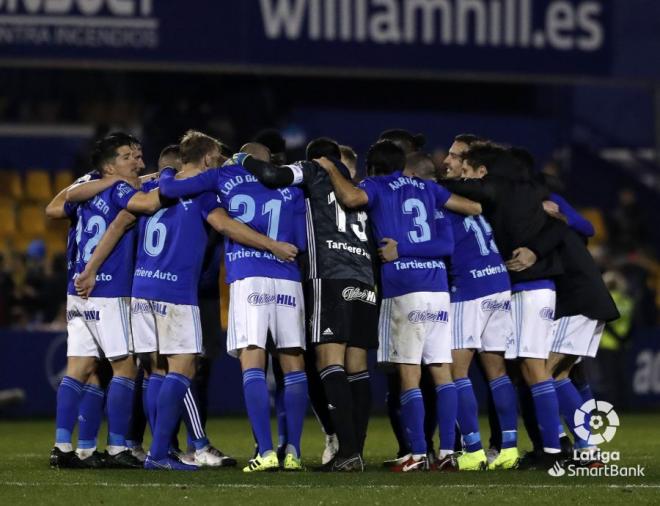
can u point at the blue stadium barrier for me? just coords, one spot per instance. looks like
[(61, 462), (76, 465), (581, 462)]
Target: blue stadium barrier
[(35, 362)]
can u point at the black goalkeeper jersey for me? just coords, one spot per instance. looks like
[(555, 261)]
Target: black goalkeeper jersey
[(339, 241)]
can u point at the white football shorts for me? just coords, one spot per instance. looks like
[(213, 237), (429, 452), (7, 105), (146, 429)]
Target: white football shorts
[(415, 329), (259, 304), (98, 327), (484, 324), (533, 315), (577, 335), (170, 329)]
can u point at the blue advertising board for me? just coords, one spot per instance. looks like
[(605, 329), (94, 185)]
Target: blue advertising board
[(503, 37)]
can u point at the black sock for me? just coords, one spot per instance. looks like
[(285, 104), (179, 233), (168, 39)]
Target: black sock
[(528, 413), (394, 412), (340, 405), (361, 390), (494, 424), (138, 420), (201, 382), (316, 393)]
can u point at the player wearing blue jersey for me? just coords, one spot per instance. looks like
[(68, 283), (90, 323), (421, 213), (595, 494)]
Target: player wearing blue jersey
[(481, 315), (98, 326), (530, 240), (266, 294), (414, 320), (92, 396)]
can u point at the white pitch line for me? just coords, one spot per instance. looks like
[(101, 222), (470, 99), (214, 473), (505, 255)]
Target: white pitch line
[(255, 486)]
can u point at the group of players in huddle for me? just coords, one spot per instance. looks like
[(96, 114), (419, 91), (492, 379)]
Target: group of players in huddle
[(430, 266)]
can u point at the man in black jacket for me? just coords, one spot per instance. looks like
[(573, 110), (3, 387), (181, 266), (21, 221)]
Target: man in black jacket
[(529, 238)]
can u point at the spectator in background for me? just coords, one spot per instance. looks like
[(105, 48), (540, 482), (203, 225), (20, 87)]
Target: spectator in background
[(626, 224), (610, 361)]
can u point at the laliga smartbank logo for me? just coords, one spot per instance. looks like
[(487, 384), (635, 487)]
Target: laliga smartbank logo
[(596, 422)]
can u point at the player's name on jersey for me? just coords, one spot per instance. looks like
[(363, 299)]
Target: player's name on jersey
[(491, 270), (416, 264), (403, 181), (233, 183), (248, 253), (157, 274), (347, 247)]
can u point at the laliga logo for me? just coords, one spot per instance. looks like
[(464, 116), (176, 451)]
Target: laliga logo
[(547, 313), (596, 411)]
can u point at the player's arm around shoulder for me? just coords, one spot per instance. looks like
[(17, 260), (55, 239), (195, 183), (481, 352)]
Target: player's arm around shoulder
[(145, 202), (271, 176), (455, 202), (241, 233), (81, 192), (348, 195), (86, 280)]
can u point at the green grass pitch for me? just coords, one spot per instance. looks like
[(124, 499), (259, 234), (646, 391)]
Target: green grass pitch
[(25, 477)]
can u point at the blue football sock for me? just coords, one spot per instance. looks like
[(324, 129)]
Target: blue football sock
[(585, 392), (506, 405), (153, 391), (120, 408), (570, 401), (412, 416), (68, 399), (258, 407), (170, 403), (467, 414), (196, 434), (546, 407), (280, 412), (90, 415), (295, 405), (446, 409)]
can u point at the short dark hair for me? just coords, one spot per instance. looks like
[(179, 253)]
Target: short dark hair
[(468, 139), (422, 164), (322, 146), (105, 150), (485, 154), (385, 157), (196, 145), (407, 141), (171, 150), (523, 160)]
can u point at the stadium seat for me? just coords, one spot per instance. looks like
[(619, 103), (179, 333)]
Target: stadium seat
[(31, 221), (7, 218), (10, 184), (63, 178), (38, 186)]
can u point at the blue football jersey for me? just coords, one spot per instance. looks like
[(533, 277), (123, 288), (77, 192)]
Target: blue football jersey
[(405, 209), (476, 267), (170, 249), (279, 214), (71, 211), (115, 276)]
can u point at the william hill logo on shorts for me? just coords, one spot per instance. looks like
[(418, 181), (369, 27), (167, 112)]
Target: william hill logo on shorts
[(428, 316), (495, 305), (263, 299), (354, 293), (547, 313)]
